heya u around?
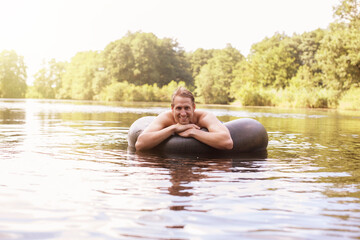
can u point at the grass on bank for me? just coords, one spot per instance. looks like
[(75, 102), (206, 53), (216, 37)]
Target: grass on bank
[(290, 97)]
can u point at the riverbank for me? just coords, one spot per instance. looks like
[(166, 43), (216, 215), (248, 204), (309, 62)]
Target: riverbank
[(285, 98)]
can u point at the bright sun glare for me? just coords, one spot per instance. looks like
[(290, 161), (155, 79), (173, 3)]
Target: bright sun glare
[(40, 30)]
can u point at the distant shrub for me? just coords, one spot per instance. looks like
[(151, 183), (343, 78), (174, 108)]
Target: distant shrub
[(114, 92), (350, 100), (128, 92), (257, 97), (306, 97)]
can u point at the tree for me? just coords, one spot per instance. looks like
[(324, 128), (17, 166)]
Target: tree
[(215, 78), (339, 57), (12, 75), (118, 61), (309, 43), (273, 61), (309, 72), (142, 58), (198, 59), (349, 11), (77, 81), (173, 64), (47, 81)]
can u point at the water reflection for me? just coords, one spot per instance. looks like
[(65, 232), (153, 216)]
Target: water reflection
[(11, 116), (184, 171), (65, 165)]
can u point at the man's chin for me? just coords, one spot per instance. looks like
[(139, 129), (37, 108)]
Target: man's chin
[(183, 122)]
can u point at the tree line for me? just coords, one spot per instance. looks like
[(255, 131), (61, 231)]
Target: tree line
[(320, 68)]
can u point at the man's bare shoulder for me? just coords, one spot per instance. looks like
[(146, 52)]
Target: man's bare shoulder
[(200, 114), (204, 118), (165, 119)]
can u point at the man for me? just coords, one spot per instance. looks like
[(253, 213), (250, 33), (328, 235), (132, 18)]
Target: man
[(186, 122)]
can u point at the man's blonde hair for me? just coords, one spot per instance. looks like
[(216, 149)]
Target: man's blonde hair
[(182, 92)]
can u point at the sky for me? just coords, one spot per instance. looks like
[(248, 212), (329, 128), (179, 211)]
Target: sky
[(41, 30)]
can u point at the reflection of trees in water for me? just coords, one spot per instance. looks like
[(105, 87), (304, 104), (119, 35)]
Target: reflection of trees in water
[(12, 116), (328, 144), (185, 170), (11, 136)]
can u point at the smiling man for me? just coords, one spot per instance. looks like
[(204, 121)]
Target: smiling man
[(186, 121)]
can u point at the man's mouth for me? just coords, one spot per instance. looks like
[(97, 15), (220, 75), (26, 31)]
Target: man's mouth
[(183, 119)]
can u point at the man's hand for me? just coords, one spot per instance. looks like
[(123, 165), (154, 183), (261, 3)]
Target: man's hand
[(187, 133), (185, 130)]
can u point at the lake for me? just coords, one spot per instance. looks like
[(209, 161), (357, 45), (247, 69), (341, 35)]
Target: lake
[(65, 173)]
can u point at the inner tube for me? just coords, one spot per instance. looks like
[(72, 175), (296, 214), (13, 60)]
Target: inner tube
[(248, 136)]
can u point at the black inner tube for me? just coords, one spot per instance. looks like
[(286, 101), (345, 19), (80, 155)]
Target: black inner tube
[(248, 136)]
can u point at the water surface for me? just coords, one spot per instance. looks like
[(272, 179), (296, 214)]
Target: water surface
[(65, 173)]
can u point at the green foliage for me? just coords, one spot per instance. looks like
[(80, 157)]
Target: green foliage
[(99, 82), (214, 80), (272, 62), (339, 57), (289, 97), (12, 75), (351, 99), (339, 52), (306, 78), (348, 10), (249, 95), (309, 98), (308, 46), (198, 59), (142, 58), (31, 92), (114, 92), (77, 81), (48, 80), (128, 92)]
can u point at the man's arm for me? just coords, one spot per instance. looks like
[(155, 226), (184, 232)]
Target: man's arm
[(159, 130), (218, 136)]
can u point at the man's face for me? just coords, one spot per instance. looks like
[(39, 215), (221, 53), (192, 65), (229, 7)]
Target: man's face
[(183, 110)]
